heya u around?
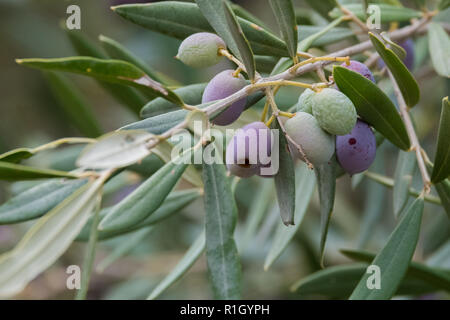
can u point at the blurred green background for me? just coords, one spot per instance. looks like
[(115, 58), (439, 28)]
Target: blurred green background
[(30, 115)]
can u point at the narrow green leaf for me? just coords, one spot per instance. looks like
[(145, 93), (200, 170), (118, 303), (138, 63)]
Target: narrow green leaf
[(143, 201), (305, 183), (326, 182), (73, 104), (16, 155), (322, 35), (163, 122), (388, 13), (443, 190), (285, 179), (375, 194), (405, 80), (191, 94), (19, 154), (397, 49), (114, 71), (265, 64), (439, 48), (164, 151), (244, 14), (181, 19), (404, 171), (173, 204), (158, 124), (127, 96), (115, 150), (183, 266), (323, 7), (17, 172), (285, 17), (394, 259), (439, 278), (441, 168), (443, 4), (345, 277), (47, 240), (38, 200), (117, 51), (372, 105), (222, 19), (89, 255), (257, 211), (124, 247), (220, 220)]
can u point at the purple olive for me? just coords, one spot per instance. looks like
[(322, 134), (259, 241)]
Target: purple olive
[(221, 86), (361, 68), (249, 150), (408, 45), (356, 151)]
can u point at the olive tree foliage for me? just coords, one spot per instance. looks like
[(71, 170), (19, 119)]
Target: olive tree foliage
[(344, 108)]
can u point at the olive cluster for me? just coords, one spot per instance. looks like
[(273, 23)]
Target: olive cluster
[(325, 122)]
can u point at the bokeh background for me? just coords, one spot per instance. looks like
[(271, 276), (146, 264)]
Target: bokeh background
[(30, 115)]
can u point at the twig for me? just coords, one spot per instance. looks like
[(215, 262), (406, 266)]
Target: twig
[(415, 145)]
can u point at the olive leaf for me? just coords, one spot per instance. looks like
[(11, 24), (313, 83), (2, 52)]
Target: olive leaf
[(114, 71), (443, 190), (73, 103), (436, 277), (129, 243), (47, 239), (372, 105), (404, 171), (283, 11), (173, 204), (441, 168), (115, 150), (322, 35), (285, 178), (191, 94), (243, 13), (222, 19), (375, 194), (148, 197), (164, 151), (126, 95), (323, 7), (305, 183), (158, 124), (17, 172), (345, 277), (17, 155), (220, 220), (258, 209), (183, 266), (388, 13), (326, 182), (405, 80), (38, 200), (117, 51), (181, 19), (265, 64), (439, 48), (395, 257)]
